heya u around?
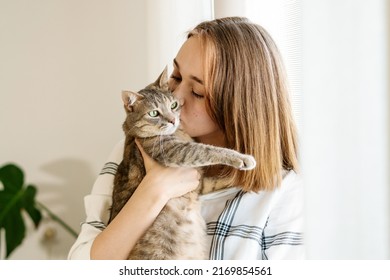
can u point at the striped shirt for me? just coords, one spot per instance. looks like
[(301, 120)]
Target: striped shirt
[(240, 225)]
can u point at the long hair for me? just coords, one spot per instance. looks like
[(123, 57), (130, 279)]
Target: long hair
[(247, 96)]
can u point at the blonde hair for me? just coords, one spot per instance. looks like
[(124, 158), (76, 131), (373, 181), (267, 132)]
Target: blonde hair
[(247, 96)]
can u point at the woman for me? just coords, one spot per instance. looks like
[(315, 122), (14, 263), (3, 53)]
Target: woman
[(230, 78)]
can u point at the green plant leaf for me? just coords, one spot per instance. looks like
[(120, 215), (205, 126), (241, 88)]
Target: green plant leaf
[(15, 231), (12, 177), (30, 205), (14, 198)]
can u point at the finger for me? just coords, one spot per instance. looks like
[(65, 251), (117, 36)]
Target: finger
[(190, 177)]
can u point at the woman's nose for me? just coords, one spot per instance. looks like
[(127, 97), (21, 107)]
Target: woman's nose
[(179, 95)]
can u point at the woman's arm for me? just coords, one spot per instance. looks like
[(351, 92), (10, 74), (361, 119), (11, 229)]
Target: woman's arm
[(159, 185)]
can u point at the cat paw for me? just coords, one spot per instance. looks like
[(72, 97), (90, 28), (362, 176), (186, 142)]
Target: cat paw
[(244, 162), (248, 163)]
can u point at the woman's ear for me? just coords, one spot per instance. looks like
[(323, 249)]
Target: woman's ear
[(129, 98)]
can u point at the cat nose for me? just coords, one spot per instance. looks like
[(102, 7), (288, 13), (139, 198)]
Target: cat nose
[(172, 121)]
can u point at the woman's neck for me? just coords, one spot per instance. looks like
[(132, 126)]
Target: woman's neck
[(216, 138)]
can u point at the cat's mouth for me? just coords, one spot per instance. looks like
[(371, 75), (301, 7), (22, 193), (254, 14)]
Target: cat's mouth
[(169, 129)]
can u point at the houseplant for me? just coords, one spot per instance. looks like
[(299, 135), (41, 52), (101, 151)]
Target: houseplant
[(15, 198)]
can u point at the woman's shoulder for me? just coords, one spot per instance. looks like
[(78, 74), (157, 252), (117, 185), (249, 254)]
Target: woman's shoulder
[(291, 189), (116, 154), (292, 180), (288, 194)]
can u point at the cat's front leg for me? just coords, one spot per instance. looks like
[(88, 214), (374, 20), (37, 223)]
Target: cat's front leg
[(171, 152), (200, 155)]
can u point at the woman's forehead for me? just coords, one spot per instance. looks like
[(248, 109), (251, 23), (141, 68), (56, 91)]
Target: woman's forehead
[(189, 59)]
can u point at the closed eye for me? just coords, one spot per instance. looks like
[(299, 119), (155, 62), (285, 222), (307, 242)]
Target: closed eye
[(196, 95), (176, 78)]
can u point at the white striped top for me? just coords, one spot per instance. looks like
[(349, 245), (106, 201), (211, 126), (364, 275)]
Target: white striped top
[(240, 225)]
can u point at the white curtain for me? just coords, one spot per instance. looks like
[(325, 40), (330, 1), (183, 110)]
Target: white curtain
[(337, 58), (345, 140)]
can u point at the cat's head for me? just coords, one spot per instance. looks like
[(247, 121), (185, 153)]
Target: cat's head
[(151, 111)]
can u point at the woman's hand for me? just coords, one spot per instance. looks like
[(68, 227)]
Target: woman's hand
[(168, 182)]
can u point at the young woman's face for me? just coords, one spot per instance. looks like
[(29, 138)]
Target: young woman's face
[(187, 84)]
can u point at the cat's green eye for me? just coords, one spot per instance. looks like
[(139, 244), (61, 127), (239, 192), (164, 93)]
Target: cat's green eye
[(174, 105), (154, 113)]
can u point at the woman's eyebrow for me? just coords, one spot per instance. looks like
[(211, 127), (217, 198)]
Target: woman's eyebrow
[(196, 79)]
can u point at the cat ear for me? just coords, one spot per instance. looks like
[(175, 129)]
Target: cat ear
[(129, 98), (162, 80)]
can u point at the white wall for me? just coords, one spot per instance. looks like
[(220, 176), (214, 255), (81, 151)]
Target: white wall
[(63, 66), (168, 22)]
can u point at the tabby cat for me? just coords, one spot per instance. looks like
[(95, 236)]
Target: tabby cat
[(153, 117)]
